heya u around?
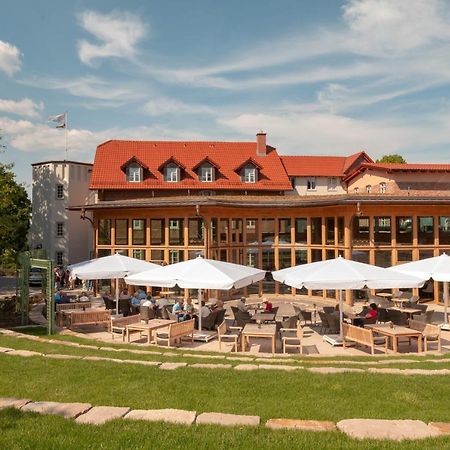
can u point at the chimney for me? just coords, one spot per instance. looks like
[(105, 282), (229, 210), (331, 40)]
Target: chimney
[(261, 146)]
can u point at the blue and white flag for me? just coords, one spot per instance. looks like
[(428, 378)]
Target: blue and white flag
[(61, 120)]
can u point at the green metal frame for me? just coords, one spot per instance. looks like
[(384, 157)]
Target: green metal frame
[(48, 287)]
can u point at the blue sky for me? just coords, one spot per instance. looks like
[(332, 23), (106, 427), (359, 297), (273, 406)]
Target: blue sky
[(320, 77)]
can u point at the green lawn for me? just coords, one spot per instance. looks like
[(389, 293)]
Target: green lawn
[(266, 393), (32, 431)]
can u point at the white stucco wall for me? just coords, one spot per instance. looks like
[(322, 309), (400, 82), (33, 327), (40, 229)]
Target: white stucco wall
[(321, 187)]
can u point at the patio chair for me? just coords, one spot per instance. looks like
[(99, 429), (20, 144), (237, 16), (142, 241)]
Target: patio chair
[(423, 308), (124, 306), (208, 322), (220, 316), (241, 318), (275, 311), (226, 333), (164, 311), (382, 315), (305, 315), (414, 300), (109, 304), (292, 341), (425, 317), (147, 313), (324, 322), (328, 309), (287, 324), (333, 323), (398, 317)]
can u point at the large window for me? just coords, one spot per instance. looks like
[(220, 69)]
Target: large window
[(139, 254), (311, 184), (223, 231), (134, 173), (138, 230), (284, 231), (237, 231), (268, 231), (206, 173), (444, 230), (176, 232), (172, 173), (59, 257), (361, 256), (329, 221), (176, 256), (361, 230), (383, 259), (196, 231), (300, 230), (404, 233), (213, 231), (59, 188), (316, 230), (404, 256), (316, 255), (157, 256), (157, 232), (104, 232), (341, 230), (425, 230), (121, 232), (251, 231), (382, 232), (332, 183), (301, 256)]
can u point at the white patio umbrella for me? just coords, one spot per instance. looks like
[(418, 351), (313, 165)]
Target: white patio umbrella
[(340, 273), (436, 268), (110, 267), (199, 273)]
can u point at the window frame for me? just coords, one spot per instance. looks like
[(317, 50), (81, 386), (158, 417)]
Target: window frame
[(172, 176), (206, 173), (332, 183), (59, 195), (59, 229), (249, 174), (133, 170), (311, 184)]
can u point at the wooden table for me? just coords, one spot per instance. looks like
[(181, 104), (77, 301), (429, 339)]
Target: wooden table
[(384, 294), (149, 327), (167, 293), (400, 301), (396, 332), (409, 311), (264, 317), (258, 331)]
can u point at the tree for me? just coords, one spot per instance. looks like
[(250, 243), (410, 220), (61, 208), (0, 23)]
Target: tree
[(15, 208), (394, 159)]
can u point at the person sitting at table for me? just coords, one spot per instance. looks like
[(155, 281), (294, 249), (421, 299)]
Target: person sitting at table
[(241, 306), (371, 316), (188, 309), (218, 306), (178, 309), (135, 303), (267, 305)]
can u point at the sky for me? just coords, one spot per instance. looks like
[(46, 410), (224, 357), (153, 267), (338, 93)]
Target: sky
[(321, 77)]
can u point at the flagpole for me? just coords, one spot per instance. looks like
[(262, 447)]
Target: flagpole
[(67, 134)]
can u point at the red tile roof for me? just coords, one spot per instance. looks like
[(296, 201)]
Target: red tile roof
[(111, 155), (391, 167), (325, 166)]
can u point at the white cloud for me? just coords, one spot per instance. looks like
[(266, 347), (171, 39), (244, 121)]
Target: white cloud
[(117, 33), (334, 134), (90, 87), (10, 61), (163, 105), (25, 107)]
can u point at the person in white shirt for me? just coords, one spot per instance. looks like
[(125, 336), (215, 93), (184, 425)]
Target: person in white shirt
[(241, 306), (204, 311), (162, 302)]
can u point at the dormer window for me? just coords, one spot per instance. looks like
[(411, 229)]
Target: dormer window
[(172, 173), (382, 187), (206, 173), (134, 173), (249, 174), (369, 188)]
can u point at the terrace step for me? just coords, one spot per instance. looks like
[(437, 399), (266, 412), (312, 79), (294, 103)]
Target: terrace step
[(163, 415), (98, 415), (67, 410), (227, 419)]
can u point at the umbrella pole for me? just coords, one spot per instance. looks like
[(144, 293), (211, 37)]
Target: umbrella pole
[(200, 297), (445, 302), (117, 296), (341, 314)]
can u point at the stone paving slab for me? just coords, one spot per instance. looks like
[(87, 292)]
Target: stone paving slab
[(227, 419), (333, 369), (246, 367), (68, 410), (5, 349), (442, 427), (190, 355), (163, 415), (426, 372), (102, 358), (24, 353), (307, 425), (211, 366), (279, 367), (396, 430), (142, 363), (275, 360), (240, 358), (109, 349), (61, 356), (98, 415), (172, 366), (13, 402)]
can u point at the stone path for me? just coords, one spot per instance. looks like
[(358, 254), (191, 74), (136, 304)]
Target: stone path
[(84, 413)]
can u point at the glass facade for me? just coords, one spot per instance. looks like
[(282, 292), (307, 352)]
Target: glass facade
[(121, 231)]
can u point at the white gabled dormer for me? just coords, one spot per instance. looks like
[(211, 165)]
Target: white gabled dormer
[(249, 171), (171, 170), (206, 170), (134, 170)]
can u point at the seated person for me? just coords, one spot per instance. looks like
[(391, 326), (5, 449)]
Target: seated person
[(188, 309), (161, 302), (58, 296), (124, 295), (141, 294), (135, 302), (204, 310), (241, 306), (178, 309), (267, 305), (372, 314), (218, 306), (64, 298)]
